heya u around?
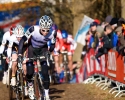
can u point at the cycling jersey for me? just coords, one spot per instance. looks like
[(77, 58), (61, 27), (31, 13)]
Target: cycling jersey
[(37, 40), (13, 43), (69, 45), (58, 40)]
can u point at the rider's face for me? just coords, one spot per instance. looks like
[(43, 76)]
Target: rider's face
[(93, 28), (44, 31)]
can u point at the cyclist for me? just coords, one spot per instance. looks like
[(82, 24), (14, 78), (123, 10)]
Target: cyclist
[(57, 46), (67, 43), (55, 54), (3, 49), (38, 36), (12, 50)]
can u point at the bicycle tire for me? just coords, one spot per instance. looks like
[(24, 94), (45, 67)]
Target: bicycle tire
[(66, 74), (38, 88), (22, 85), (9, 86)]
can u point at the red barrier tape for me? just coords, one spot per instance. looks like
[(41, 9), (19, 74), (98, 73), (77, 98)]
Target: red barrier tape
[(110, 65)]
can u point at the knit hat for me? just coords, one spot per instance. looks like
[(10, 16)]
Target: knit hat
[(121, 21), (93, 24), (97, 21), (119, 29), (114, 21), (108, 19), (100, 29)]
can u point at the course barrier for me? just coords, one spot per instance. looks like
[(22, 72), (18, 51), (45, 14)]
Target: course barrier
[(110, 67)]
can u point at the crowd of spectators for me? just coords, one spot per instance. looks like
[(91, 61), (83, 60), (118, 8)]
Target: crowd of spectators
[(104, 36)]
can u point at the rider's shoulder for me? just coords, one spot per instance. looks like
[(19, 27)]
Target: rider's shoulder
[(59, 31), (7, 33), (33, 28)]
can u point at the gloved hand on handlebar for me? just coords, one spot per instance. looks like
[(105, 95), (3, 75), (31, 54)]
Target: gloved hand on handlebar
[(47, 53), (20, 58)]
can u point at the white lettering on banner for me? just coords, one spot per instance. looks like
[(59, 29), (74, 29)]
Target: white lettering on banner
[(111, 61), (103, 63), (124, 78), (112, 74), (124, 64), (97, 65), (80, 74), (88, 67), (80, 77), (91, 64)]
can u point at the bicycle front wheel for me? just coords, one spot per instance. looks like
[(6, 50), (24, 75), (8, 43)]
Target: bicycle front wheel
[(38, 88), (11, 92), (20, 87), (66, 72)]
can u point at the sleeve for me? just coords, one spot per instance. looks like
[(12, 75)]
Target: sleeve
[(53, 41), (9, 50), (4, 40), (73, 42), (49, 44), (29, 32), (21, 43), (26, 37), (59, 38)]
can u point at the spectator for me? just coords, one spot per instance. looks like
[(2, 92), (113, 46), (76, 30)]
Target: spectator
[(99, 34), (114, 22), (90, 33), (121, 21), (106, 43), (107, 21), (121, 47)]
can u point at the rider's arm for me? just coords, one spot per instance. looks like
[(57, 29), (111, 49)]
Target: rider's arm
[(49, 44), (53, 41), (25, 38), (9, 49), (60, 39), (4, 40), (73, 42)]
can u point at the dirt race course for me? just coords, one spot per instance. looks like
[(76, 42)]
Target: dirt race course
[(71, 92)]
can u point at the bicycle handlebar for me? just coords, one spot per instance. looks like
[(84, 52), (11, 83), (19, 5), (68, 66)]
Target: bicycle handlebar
[(34, 58), (40, 57)]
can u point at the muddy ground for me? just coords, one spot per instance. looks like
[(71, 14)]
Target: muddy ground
[(71, 92)]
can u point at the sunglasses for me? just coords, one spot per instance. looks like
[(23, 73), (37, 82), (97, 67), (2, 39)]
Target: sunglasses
[(45, 30)]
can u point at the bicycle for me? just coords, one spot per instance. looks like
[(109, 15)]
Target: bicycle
[(52, 72), (37, 77), (18, 89), (65, 65)]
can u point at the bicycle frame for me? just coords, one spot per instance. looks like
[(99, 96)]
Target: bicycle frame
[(65, 64), (18, 88), (37, 78)]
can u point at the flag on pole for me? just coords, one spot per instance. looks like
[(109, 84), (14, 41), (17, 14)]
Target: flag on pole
[(80, 35)]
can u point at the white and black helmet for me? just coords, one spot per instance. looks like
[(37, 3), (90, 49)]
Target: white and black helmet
[(19, 31), (45, 22)]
